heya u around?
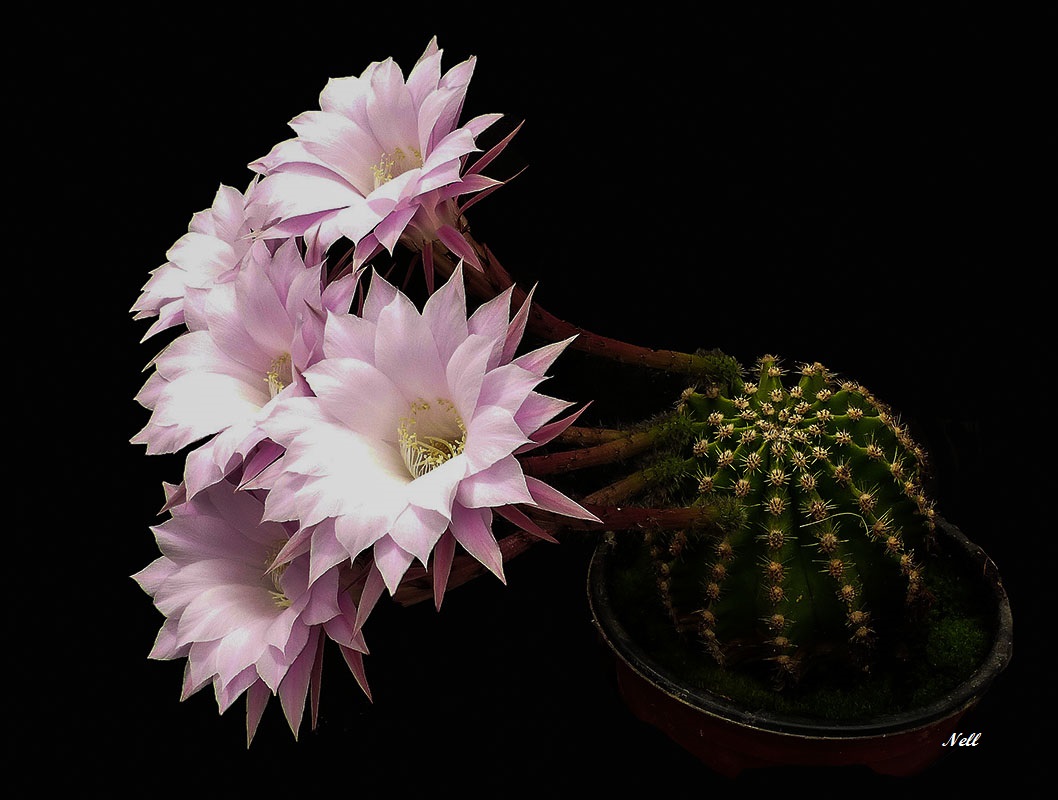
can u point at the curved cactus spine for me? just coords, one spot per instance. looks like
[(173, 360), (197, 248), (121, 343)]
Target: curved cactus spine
[(832, 515)]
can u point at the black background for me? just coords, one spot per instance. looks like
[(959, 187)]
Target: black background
[(861, 188)]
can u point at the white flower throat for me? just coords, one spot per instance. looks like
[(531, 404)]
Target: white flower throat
[(389, 166), (280, 374), (430, 435), (276, 575)]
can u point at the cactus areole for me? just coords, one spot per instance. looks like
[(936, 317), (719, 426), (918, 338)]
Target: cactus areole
[(825, 524)]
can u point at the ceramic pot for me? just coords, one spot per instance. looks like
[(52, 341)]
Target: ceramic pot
[(730, 738)]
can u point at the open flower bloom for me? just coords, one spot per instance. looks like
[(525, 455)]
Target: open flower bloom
[(242, 626), (409, 442), (217, 240), (251, 336), (379, 161)]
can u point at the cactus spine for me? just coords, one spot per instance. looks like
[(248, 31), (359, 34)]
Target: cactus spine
[(831, 520)]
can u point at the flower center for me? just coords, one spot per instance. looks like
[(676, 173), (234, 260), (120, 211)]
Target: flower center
[(279, 374), (430, 435), (278, 595), (390, 165)]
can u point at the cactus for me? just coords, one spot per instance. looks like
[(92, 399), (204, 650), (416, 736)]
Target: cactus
[(826, 522)]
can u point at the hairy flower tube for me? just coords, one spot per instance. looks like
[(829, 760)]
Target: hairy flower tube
[(244, 627), (382, 160), (410, 439), (249, 338)]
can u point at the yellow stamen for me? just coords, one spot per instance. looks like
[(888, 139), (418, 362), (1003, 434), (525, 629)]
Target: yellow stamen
[(278, 596), (390, 166), (279, 374), (423, 452)]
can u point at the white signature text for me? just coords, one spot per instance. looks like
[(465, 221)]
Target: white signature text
[(963, 740)]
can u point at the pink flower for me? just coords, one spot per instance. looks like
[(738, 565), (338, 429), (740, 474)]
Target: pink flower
[(242, 627), (409, 443), (379, 162), (215, 244), (250, 337)]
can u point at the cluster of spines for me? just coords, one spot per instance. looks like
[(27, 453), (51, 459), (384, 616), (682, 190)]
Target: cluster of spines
[(667, 551), (806, 461)]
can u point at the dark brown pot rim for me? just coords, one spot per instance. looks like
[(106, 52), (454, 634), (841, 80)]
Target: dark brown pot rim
[(953, 703)]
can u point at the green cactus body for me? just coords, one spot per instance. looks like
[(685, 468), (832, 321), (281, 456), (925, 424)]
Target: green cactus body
[(829, 522)]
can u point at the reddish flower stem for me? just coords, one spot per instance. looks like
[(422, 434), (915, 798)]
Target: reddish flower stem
[(596, 455), (494, 279), (582, 437), (604, 504)]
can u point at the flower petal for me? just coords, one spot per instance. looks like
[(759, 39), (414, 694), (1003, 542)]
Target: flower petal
[(472, 528)]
